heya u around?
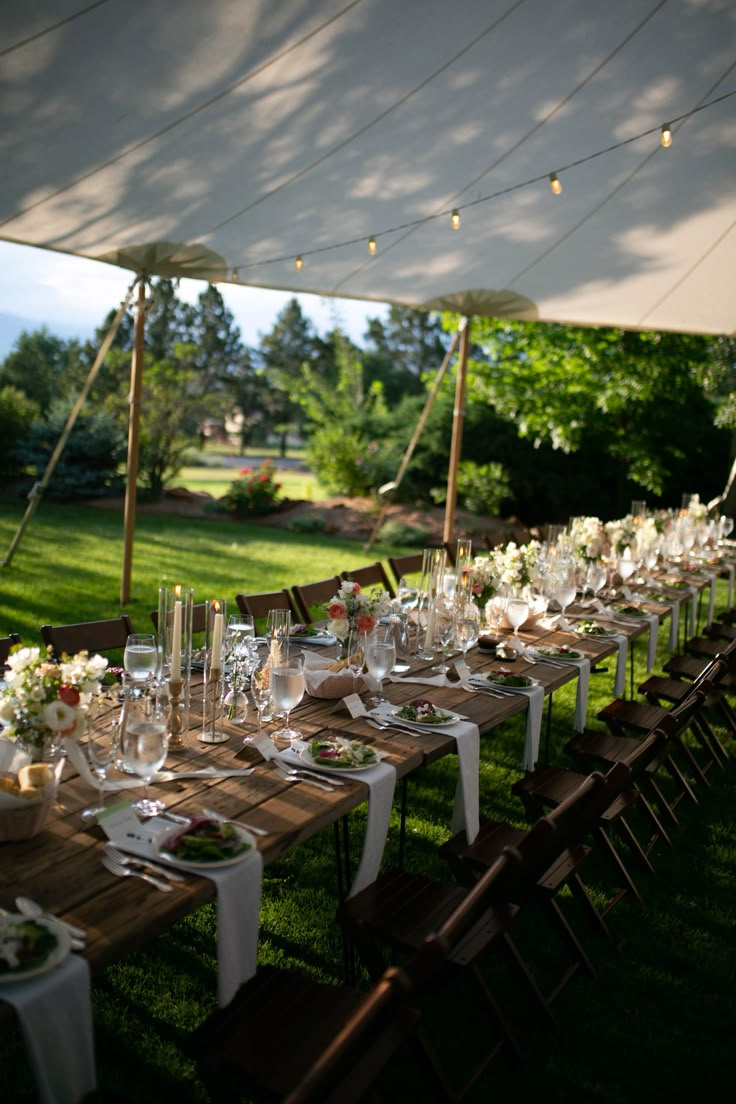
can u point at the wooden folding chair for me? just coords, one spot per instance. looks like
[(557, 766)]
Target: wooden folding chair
[(549, 787), (371, 575), (402, 566), (94, 636), (309, 595), (287, 1037), (6, 643), (258, 605)]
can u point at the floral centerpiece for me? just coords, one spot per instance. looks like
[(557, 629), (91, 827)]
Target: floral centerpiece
[(483, 581), (587, 538), (513, 565), (356, 610), (621, 534), (44, 700)]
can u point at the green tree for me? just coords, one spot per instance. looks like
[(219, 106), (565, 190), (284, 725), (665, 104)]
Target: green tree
[(401, 350), (17, 415), (88, 465), (38, 366), (347, 446)]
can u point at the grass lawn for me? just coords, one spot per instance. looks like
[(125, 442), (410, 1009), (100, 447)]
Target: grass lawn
[(654, 1026)]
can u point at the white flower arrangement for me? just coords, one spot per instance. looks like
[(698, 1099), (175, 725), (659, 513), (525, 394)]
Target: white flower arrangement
[(45, 700), (621, 534), (587, 537)]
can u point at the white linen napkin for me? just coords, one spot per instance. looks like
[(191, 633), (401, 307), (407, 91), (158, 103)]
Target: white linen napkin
[(238, 906), (466, 807), (619, 681), (381, 782), (55, 1015), (582, 666), (430, 680), (535, 697)]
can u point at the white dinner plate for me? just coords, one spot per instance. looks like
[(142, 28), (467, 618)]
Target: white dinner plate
[(321, 639), (452, 719), (51, 958), (158, 843), (484, 680), (307, 758), (602, 635)]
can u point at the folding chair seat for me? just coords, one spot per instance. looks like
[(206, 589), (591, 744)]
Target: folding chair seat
[(257, 606), (549, 787), (309, 595), (371, 575), (6, 643), (94, 636), (400, 909)]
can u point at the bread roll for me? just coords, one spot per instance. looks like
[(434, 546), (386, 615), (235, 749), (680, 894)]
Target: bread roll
[(32, 793), (35, 775), (338, 665), (8, 783)]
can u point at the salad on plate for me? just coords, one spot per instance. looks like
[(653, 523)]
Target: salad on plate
[(421, 711), (204, 841), (592, 628), (505, 677), (30, 946), (558, 651), (338, 754), (629, 611)]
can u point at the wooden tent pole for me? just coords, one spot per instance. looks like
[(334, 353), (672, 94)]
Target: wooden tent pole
[(36, 493), (458, 417), (414, 440), (134, 421)]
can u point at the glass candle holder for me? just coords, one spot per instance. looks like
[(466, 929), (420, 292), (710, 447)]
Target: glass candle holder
[(214, 672)]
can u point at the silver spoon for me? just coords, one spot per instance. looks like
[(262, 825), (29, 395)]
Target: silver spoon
[(31, 908)]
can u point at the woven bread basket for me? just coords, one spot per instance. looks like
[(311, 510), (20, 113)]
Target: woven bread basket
[(21, 824)]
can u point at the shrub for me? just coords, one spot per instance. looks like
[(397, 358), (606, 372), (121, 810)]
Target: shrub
[(17, 413), (88, 465), (396, 532), (481, 487), (254, 493), (309, 523)]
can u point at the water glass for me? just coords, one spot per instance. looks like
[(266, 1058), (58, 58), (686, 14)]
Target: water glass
[(140, 657), (380, 655), (103, 736), (287, 690), (145, 741)]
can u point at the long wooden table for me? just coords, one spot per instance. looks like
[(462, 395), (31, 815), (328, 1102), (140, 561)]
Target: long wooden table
[(61, 866)]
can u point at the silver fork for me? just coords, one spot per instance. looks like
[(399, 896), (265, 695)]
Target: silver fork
[(130, 860), (291, 774), (127, 872)]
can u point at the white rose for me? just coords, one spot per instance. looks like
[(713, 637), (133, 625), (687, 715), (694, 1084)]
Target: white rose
[(18, 661), (59, 716), (340, 627)]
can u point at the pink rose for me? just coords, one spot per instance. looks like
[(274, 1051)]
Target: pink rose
[(365, 623), (336, 611)]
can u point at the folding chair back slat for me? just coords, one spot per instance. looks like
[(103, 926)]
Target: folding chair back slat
[(309, 595), (94, 636), (258, 605), (371, 575), (6, 643)]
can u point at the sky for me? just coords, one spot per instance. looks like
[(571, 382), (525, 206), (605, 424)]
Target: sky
[(71, 296)]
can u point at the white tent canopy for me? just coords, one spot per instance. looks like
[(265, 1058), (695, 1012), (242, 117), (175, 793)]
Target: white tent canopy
[(196, 139)]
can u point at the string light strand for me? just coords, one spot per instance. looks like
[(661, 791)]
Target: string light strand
[(545, 176)]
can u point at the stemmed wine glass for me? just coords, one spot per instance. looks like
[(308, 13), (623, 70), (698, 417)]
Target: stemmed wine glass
[(564, 587), (595, 577), (103, 737), (287, 690), (355, 646), (517, 611), (380, 656), (496, 611), (140, 657), (260, 690), (145, 742)]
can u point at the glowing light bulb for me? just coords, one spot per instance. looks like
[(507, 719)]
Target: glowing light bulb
[(455, 220), (298, 263), (372, 246), (555, 184), (666, 136)]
